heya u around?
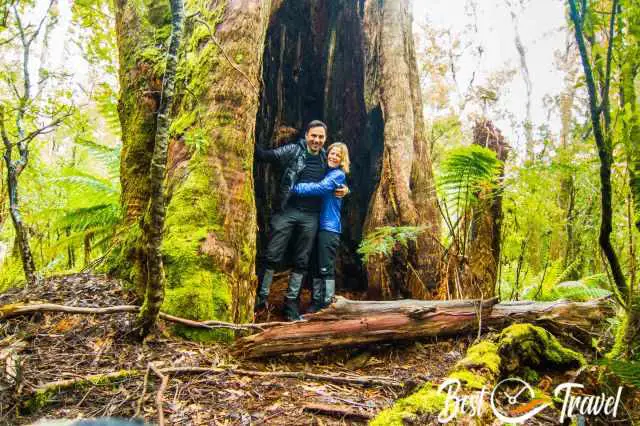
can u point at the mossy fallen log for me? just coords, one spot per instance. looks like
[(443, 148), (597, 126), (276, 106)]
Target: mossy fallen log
[(347, 322), (514, 352)]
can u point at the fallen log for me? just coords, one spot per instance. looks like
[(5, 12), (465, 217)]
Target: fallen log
[(347, 322)]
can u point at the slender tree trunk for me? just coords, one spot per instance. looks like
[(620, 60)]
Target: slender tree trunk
[(405, 192), (626, 342), (603, 143), (154, 294), (88, 237), (483, 251), (22, 236)]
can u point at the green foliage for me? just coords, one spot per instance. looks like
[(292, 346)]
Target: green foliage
[(627, 371), (384, 239), (464, 173)]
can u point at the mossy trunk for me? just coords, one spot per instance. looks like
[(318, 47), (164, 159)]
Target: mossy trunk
[(156, 213), (209, 247), (481, 273), (404, 194), (627, 343)]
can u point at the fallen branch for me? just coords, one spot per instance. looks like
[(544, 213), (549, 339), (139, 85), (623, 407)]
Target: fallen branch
[(341, 411), (14, 310), (163, 385)]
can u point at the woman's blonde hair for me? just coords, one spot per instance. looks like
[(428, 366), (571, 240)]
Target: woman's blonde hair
[(344, 155)]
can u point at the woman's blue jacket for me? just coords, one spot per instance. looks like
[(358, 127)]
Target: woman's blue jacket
[(331, 205)]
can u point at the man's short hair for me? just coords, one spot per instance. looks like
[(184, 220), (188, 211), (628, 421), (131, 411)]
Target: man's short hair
[(316, 123)]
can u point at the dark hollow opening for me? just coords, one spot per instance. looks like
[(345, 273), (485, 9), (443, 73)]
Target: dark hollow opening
[(314, 68)]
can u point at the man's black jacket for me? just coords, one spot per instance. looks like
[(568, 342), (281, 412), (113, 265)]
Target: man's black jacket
[(292, 158)]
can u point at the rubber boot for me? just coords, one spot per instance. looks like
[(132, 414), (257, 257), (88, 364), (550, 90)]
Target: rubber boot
[(329, 292), (263, 290), (317, 296), (291, 312)]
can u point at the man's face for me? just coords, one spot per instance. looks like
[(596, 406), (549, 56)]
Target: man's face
[(315, 139)]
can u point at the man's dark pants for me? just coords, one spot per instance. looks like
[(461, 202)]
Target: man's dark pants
[(303, 226)]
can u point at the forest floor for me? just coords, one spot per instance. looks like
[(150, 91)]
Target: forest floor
[(59, 346), (63, 346)]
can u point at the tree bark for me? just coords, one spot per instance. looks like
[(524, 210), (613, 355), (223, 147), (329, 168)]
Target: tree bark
[(483, 254), (208, 248), (154, 294), (405, 192), (347, 323), (603, 142)]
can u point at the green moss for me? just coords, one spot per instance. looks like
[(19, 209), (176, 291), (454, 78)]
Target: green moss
[(526, 344), (529, 375), (483, 355), (469, 379), (42, 397), (426, 401)]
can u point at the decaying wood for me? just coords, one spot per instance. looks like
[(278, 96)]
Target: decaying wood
[(347, 323), (341, 411)]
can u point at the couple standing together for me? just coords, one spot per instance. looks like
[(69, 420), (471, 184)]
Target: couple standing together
[(311, 190)]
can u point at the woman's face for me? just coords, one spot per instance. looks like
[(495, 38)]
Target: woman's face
[(334, 157)]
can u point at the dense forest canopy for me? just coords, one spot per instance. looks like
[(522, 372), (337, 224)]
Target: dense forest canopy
[(490, 157)]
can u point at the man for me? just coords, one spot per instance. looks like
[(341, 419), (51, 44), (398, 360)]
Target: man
[(303, 161)]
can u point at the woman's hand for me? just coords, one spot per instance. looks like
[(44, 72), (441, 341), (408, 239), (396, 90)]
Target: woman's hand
[(342, 191)]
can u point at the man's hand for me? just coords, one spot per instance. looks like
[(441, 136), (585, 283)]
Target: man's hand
[(342, 191)]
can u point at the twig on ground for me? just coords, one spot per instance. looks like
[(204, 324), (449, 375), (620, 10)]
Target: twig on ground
[(144, 392), (14, 310), (301, 375), (336, 411), (163, 385)]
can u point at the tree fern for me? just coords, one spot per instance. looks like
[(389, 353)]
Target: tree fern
[(464, 173), (383, 240)]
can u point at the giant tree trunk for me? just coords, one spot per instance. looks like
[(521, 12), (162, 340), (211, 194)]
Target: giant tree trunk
[(209, 247), (405, 192), (483, 254)]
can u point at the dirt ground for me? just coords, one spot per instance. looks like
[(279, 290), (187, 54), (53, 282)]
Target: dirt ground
[(58, 346)]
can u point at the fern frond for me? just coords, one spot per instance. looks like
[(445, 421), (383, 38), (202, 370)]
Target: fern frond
[(627, 371), (465, 173), (384, 239)]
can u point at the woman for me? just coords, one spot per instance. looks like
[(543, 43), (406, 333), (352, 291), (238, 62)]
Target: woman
[(324, 284)]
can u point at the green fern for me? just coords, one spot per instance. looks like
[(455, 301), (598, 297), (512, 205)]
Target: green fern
[(627, 371), (383, 240), (464, 173)]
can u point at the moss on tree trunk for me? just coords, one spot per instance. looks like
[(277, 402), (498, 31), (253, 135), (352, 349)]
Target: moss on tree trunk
[(209, 247)]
